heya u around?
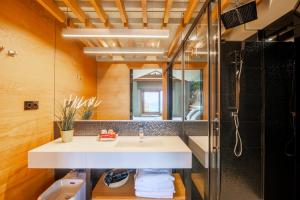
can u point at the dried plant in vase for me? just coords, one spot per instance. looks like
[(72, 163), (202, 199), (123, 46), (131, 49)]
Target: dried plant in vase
[(67, 113), (89, 107)]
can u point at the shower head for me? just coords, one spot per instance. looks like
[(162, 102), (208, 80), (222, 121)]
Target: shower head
[(239, 15)]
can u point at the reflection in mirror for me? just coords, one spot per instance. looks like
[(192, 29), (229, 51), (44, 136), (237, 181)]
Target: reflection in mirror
[(177, 90), (146, 94), (193, 94), (195, 73)]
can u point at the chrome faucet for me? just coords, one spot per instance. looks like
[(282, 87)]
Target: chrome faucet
[(141, 133)]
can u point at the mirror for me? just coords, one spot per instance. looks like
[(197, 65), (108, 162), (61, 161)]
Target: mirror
[(138, 91), (130, 92)]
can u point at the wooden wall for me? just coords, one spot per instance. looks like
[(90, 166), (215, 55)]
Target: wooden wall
[(75, 73), (113, 88), (34, 74)]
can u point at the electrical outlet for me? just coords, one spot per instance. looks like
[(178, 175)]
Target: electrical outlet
[(31, 105)]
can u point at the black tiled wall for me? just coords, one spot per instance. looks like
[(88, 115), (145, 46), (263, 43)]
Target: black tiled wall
[(280, 164), (264, 171), (241, 178)]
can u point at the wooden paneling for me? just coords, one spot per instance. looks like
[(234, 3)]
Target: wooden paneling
[(75, 73), (30, 30), (113, 88)]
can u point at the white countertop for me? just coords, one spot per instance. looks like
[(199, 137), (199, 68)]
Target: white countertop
[(125, 152), (199, 147)]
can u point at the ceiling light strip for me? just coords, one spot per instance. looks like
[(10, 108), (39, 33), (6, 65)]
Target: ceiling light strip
[(114, 33), (98, 50)]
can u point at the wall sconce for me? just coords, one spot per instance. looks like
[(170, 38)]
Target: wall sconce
[(12, 53), (1, 48)]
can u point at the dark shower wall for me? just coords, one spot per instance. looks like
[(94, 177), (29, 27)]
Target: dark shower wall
[(280, 165), (264, 171), (241, 178)]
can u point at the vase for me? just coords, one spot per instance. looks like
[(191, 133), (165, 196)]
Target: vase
[(67, 136)]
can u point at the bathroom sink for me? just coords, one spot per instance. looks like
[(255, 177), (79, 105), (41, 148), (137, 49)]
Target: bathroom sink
[(199, 147), (124, 152), (145, 142)]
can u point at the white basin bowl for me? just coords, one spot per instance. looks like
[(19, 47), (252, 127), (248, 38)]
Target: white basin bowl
[(63, 189)]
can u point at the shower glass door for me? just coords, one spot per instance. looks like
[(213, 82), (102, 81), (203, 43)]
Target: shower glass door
[(194, 79), (214, 99), (196, 104)]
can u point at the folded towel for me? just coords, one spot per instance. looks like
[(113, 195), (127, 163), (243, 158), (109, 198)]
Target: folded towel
[(153, 178), (150, 170), (154, 183), (158, 195), (155, 187)]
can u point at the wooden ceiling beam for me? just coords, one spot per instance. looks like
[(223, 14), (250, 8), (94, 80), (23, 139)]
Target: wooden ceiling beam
[(186, 19), (144, 10), (78, 12), (100, 12), (51, 7), (123, 15), (189, 11), (168, 5)]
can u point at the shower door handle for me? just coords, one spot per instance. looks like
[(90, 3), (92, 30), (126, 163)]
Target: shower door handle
[(215, 135)]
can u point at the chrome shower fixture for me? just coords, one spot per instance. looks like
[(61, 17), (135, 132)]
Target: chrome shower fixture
[(239, 61), (239, 15)]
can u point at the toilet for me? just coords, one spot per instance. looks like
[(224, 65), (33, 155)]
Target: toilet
[(70, 187)]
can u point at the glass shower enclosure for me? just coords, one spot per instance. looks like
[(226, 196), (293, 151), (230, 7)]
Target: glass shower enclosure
[(194, 87)]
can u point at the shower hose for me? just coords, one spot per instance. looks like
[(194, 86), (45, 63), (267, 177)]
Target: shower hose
[(238, 146)]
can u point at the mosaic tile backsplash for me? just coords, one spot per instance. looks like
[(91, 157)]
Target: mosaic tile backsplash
[(130, 128)]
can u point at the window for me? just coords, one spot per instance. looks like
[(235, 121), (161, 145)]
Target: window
[(152, 102), (146, 94)]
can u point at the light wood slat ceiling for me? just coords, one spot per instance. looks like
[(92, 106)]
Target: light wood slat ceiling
[(155, 14)]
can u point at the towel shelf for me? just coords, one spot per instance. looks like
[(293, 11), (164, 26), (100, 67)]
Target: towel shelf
[(198, 180), (126, 192)]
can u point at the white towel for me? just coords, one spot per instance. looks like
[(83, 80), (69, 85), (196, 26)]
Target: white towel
[(154, 183), (150, 170), (155, 187), (158, 195), (154, 179)]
